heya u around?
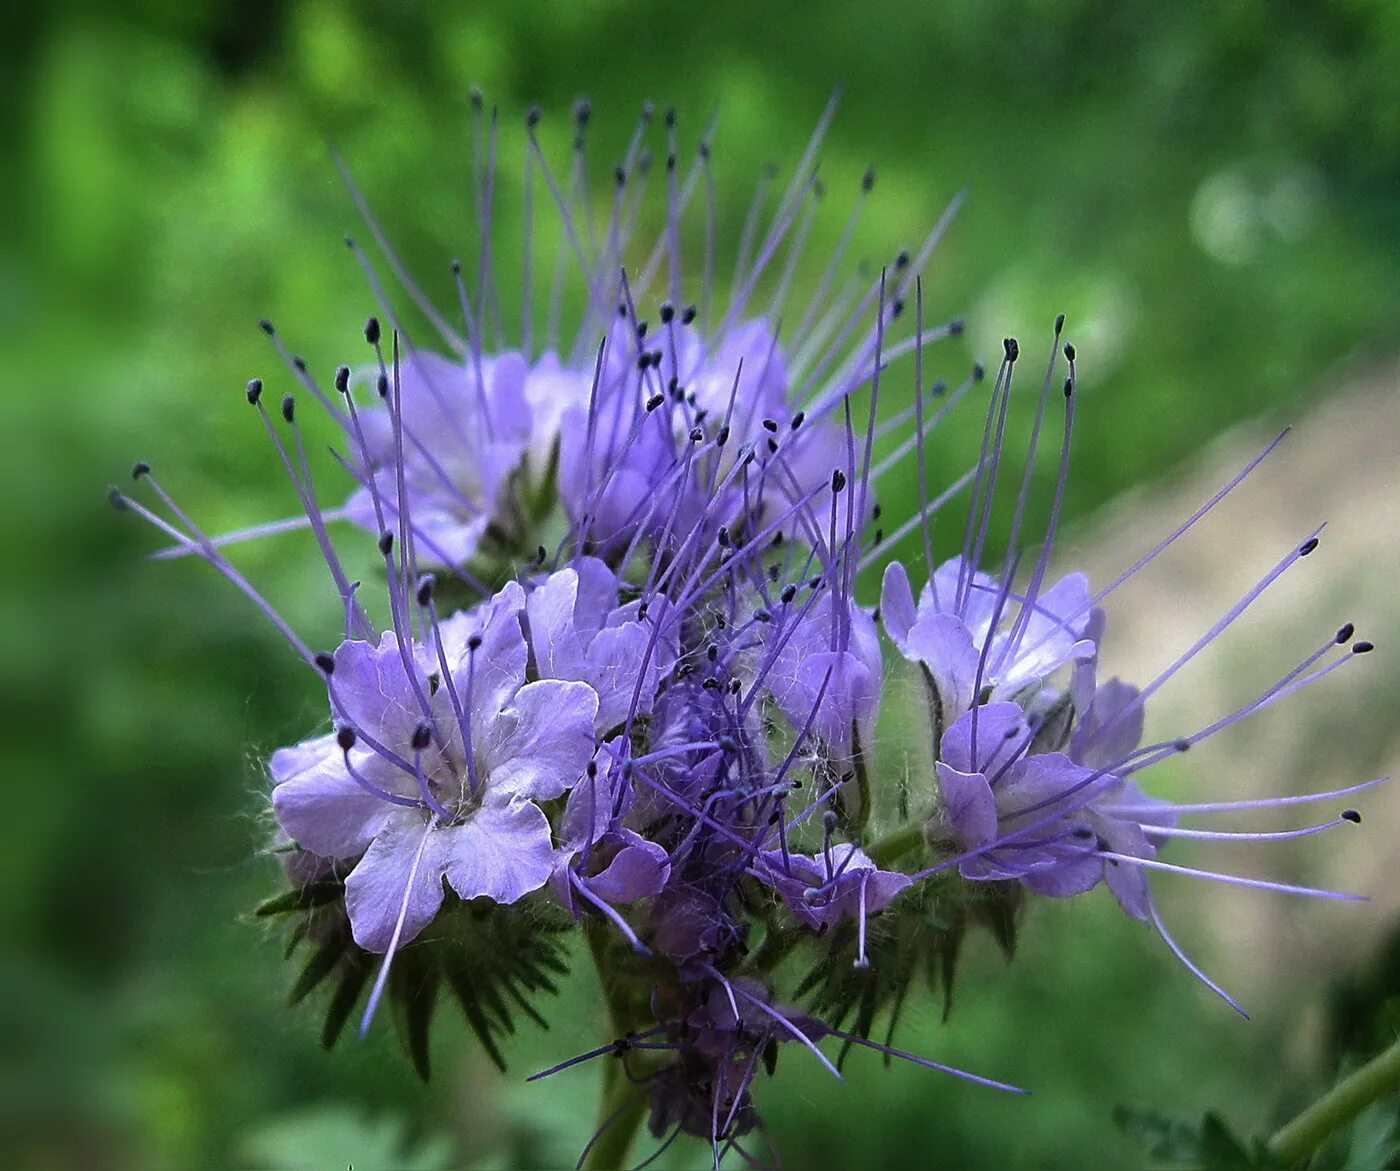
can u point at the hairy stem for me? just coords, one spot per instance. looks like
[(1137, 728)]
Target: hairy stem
[(622, 1104), (895, 844), (1294, 1143)]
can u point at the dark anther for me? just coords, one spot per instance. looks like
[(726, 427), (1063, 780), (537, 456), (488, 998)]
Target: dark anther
[(705, 149), (641, 612), (712, 652), (697, 434), (770, 425), (116, 499), (477, 100), (778, 538), (474, 643), (1013, 350), (656, 357), (641, 330), (838, 480), (386, 542), (266, 326), (1069, 387), (762, 615), (773, 446), (299, 363), (140, 468), (1083, 831), (710, 684), (655, 401), (345, 737), (1344, 635), (956, 327), (1069, 351), (1181, 745), (726, 744), (789, 592), (978, 372), (425, 589), (896, 307), (797, 419), (875, 511), (901, 261), (1059, 324), (326, 662), (289, 407), (541, 554), (434, 682), (372, 333), (829, 820), (875, 614), (1362, 648), (583, 110), (867, 181), (342, 379), (670, 117), (1351, 815), (735, 687), (1307, 546), (668, 311), (620, 175), (592, 769), (723, 537), (254, 390), (382, 385), (532, 117), (456, 268), (670, 162), (622, 308), (422, 736), (879, 536)]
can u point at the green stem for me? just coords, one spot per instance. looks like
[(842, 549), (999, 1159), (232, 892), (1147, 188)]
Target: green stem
[(622, 1104), (622, 1109), (895, 844), (1295, 1142)]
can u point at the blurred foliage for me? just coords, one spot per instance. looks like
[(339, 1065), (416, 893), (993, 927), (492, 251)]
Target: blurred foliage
[(1209, 191)]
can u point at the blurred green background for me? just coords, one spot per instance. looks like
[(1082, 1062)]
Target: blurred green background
[(1210, 192)]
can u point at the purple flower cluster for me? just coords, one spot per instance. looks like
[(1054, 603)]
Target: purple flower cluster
[(631, 668)]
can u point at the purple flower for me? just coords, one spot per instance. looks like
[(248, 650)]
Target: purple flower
[(579, 630), (602, 863), (840, 883), (968, 626), (434, 772), (450, 434), (1033, 817), (821, 663)]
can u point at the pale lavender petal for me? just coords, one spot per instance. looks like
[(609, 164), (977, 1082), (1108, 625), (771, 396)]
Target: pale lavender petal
[(373, 690), (539, 745), (944, 645), (639, 869), (897, 608), (1099, 747), (400, 874), (971, 807), (1001, 733), (324, 810), (502, 851)]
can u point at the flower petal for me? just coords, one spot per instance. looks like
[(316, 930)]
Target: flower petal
[(539, 745), (502, 852)]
